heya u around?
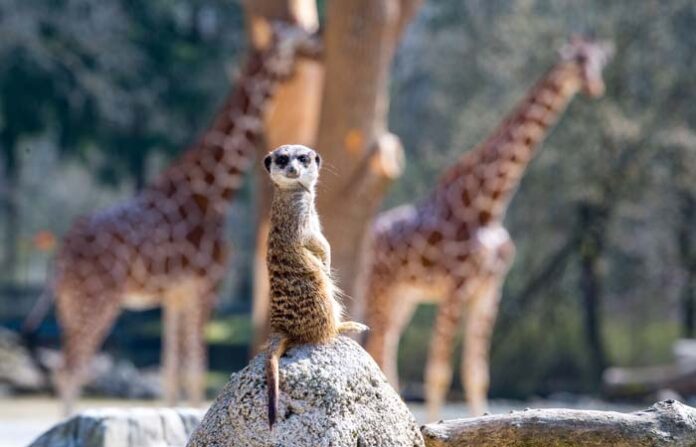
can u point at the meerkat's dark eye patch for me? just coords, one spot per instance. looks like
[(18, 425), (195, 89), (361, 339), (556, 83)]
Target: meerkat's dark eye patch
[(303, 159), (282, 160), (267, 162)]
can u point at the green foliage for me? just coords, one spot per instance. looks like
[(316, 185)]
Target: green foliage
[(115, 80), (233, 330)]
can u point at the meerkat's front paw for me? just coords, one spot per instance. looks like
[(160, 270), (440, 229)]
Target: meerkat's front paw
[(351, 326)]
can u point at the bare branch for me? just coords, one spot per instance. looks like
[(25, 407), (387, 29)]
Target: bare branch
[(667, 423), (409, 8)]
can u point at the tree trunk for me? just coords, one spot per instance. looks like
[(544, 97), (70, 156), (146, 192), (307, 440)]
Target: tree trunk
[(138, 159), (667, 423), (520, 304), (593, 221), (291, 118), (361, 157), (137, 168), (687, 255), (10, 206), (642, 382)]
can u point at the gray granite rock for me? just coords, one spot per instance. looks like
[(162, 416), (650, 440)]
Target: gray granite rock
[(17, 370), (120, 378), (137, 427), (330, 395), (112, 377)]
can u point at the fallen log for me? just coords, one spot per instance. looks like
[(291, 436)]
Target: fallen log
[(626, 383), (667, 423), (685, 350)]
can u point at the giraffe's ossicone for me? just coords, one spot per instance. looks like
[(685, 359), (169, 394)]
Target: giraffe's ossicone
[(452, 247), (166, 246)]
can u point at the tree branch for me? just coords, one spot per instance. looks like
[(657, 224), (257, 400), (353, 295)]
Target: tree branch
[(667, 423), (409, 8)]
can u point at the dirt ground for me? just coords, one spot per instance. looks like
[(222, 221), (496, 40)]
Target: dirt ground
[(24, 419)]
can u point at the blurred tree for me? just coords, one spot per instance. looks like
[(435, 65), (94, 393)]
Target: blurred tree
[(360, 40), (292, 118), (123, 76), (687, 253), (593, 220)]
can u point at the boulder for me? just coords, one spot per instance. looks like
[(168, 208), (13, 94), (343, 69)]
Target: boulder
[(137, 427), (122, 379), (111, 377), (330, 395), (18, 372)]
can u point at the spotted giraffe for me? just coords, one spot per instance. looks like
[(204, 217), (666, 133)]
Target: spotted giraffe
[(452, 247), (166, 246)]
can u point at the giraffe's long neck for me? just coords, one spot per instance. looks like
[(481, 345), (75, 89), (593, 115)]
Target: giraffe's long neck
[(485, 178), (212, 170)]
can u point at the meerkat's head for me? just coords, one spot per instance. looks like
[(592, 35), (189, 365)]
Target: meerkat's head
[(293, 167)]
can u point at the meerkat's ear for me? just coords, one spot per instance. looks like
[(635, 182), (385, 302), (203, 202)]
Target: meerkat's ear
[(317, 158), (267, 162)]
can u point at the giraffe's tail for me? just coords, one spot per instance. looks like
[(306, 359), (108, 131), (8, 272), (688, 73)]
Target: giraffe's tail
[(276, 348), (43, 304), (36, 316)]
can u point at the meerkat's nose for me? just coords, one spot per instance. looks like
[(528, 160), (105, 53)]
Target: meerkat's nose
[(292, 172)]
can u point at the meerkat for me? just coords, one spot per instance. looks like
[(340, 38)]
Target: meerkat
[(304, 306)]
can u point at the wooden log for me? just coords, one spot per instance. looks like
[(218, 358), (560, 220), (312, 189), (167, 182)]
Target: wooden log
[(685, 351), (667, 423), (627, 383)]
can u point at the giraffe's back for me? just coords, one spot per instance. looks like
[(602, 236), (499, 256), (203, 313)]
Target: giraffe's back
[(139, 249)]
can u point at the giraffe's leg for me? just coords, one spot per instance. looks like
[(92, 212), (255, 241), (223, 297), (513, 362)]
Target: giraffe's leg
[(194, 353), (388, 313), (401, 316), (480, 320), (85, 322), (438, 372), (171, 345), (377, 319)]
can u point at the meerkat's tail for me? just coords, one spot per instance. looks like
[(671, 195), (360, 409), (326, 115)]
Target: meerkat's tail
[(351, 327), (276, 348)]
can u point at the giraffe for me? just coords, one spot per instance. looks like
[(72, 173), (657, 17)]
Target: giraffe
[(166, 246), (452, 246)]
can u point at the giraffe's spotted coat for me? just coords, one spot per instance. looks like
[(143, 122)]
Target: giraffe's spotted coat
[(166, 246)]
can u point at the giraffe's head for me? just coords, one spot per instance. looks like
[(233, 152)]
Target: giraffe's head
[(293, 167), (591, 57)]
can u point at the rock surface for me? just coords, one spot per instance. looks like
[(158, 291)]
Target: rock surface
[(330, 395), (110, 377), (122, 379), (17, 370), (138, 427)]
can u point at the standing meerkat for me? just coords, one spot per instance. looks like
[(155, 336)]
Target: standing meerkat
[(304, 306)]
